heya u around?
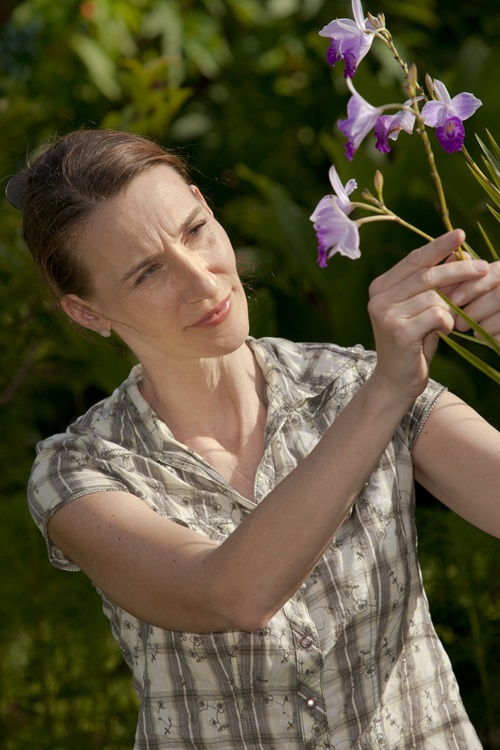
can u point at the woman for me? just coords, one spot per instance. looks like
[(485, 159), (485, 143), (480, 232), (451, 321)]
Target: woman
[(246, 507)]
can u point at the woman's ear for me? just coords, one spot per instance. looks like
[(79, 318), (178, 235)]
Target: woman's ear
[(196, 190), (82, 313)]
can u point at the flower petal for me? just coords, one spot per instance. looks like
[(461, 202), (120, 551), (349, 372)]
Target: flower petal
[(441, 92), (451, 135), (357, 11), (407, 121), (324, 205), (434, 113), (383, 132), (361, 118), (464, 105), (342, 193), (336, 233), (348, 42), (338, 28)]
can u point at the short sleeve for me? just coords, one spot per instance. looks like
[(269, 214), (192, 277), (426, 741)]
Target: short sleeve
[(416, 417), (60, 475)]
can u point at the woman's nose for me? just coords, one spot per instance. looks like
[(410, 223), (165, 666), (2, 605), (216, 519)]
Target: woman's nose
[(198, 281)]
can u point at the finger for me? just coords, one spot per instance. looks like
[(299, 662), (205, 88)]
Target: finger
[(492, 326), (407, 323), (464, 255), (448, 290), (466, 292), (429, 279), (423, 257), (483, 309)]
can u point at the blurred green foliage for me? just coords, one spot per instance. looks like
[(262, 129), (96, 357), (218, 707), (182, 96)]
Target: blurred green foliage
[(242, 88)]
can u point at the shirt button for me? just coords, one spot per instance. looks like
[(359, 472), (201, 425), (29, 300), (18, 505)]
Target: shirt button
[(306, 641), (311, 703)]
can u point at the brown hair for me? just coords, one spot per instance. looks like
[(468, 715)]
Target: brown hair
[(63, 186)]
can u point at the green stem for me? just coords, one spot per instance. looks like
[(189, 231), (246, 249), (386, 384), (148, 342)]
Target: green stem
[(385, 35), (434, 173), (385, 214), (389, 216)]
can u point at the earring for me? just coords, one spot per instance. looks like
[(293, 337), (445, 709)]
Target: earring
[(105, 332)]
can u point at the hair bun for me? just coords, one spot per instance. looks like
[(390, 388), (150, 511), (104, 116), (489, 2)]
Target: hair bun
[(16, 189)]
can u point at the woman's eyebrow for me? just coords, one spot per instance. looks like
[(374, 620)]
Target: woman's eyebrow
[(158, 256), (140, 265)]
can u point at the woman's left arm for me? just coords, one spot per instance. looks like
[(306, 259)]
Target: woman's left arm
[(457, 455), (457, 459)]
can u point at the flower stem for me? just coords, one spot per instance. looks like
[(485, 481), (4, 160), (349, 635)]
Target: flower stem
[(389, 216), (386, 36), (445, 214), (416, 90), (434, 173)]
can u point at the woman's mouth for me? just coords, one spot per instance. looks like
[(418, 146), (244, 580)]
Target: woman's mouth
[(215, 316)]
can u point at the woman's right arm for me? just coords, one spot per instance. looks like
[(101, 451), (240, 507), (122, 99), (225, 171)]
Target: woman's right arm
[(175, 578)]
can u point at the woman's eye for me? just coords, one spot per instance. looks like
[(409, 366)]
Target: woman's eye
[(147, 273), (196, 228)]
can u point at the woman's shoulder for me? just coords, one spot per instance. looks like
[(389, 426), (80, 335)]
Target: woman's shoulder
[(111, 421)]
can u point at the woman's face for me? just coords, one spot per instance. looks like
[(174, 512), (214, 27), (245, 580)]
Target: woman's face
[(163, 270)]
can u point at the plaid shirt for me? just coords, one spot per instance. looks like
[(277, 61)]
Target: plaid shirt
[(352, 660)]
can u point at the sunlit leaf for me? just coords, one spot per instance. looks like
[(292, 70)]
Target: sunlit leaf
[(472, 323), (487, 239), (472, 359)]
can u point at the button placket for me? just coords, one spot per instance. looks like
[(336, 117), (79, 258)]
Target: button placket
[(309, 663)]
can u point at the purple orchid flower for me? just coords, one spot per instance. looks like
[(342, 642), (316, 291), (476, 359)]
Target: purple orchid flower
[(447, 116), (361, 118), (390, 126), (336, 232), (349, 40)]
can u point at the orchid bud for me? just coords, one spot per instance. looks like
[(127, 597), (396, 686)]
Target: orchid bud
[(379, 183), (429, 84), (411, 80)]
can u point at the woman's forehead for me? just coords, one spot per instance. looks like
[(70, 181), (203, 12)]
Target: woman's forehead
[(155, 208), (157, 199)]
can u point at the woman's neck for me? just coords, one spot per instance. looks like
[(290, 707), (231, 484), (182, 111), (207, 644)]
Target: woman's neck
[(218, 409), (218, 397)]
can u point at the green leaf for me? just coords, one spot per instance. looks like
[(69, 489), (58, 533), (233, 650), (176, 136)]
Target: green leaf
[(493, 172), (487, 239), (494, 145), (495, 213), (469, 338), (471, 252), (472, 359), (472, 323), (489, 157), (492, 191)]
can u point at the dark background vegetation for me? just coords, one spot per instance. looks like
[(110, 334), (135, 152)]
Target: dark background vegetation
[(242, 88)]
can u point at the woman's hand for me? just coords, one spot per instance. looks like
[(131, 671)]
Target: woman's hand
[(480, 299), (408, 315)]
